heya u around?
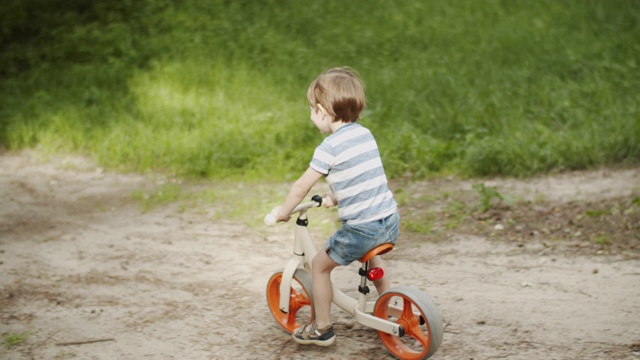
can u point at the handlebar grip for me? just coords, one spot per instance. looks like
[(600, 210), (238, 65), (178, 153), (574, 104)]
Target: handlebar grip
[(270, 220)]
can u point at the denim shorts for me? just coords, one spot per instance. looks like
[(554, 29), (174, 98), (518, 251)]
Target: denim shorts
[(352, 242)]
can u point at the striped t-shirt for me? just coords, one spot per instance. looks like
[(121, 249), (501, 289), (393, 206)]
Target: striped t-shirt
[(351, 162)]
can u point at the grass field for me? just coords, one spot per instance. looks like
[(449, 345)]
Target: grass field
[(217, 88)]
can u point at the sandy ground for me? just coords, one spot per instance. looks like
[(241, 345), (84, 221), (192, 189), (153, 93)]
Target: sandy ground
[(81, 263)]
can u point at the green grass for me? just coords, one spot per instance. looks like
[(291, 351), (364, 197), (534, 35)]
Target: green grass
[(490, 197), (14, 339), (166, 194), (421, 224), (217, 89)]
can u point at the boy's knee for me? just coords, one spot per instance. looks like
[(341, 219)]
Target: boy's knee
[(322, 263)]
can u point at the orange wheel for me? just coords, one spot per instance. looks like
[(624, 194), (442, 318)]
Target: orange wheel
[(419, 318), (300, 300)]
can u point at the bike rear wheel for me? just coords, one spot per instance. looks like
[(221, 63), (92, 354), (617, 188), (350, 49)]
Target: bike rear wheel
[(419, 318), (300, 300)]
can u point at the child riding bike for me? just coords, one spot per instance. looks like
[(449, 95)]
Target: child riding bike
[(350, 162)]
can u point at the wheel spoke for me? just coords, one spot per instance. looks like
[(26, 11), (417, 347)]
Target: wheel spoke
[(296, 302), (291, 316), (299, 298), (416, 333), (413, 324), (300, 303), (407, 310)]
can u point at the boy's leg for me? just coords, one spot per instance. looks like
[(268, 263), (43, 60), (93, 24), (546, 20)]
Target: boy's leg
[(383, 284), (320, 332), (322, 265)]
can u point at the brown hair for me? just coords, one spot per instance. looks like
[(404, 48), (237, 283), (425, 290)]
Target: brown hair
[(340, 91)]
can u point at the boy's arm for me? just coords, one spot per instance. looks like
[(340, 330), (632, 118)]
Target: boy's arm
[(298, 191)]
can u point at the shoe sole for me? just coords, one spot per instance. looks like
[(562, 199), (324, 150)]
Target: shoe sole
[(327, 342)]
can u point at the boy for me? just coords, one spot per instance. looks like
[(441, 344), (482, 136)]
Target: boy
[(350, 161)]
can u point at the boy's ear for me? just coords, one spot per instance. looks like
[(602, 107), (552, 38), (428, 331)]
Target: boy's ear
[(322, 109)]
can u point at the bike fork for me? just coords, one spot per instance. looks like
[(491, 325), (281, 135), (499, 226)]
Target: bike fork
[(302, 248), (285, 285)]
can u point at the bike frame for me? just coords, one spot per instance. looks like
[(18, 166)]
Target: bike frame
[(303, 252)]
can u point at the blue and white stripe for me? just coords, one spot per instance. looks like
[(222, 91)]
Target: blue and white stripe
[(351, 162)]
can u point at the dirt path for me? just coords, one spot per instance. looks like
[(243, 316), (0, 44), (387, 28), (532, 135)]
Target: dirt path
[(80, 262)]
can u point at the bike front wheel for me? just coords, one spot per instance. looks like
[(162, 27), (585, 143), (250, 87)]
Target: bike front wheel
[(300, 300), (419, 318)]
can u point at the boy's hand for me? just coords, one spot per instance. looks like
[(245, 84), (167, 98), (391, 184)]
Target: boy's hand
[(280, 217), (329, 200)]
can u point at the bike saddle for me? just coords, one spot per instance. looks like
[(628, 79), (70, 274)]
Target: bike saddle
[(378, 250)]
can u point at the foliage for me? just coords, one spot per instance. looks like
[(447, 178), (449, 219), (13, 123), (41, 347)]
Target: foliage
[(217, 88), (490, 197)]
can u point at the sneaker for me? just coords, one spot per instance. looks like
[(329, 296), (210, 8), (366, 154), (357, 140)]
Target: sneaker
[(308, 334)]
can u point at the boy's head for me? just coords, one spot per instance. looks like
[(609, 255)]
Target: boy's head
[(340, 92)]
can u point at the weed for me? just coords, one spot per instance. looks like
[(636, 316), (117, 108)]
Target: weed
[(601, 239), (490, 197), (597, 213), (456, 213), (420, 225), (14, 339)]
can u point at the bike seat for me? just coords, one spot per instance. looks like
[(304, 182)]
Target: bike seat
[(378, 250)]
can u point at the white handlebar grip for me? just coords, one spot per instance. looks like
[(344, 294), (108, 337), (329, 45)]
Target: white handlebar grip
[(270, 219)]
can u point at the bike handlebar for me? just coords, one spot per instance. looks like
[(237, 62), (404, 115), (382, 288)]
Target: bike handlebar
[(270, 219)]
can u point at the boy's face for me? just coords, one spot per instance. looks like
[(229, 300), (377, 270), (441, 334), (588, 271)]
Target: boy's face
[(320, 120)]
